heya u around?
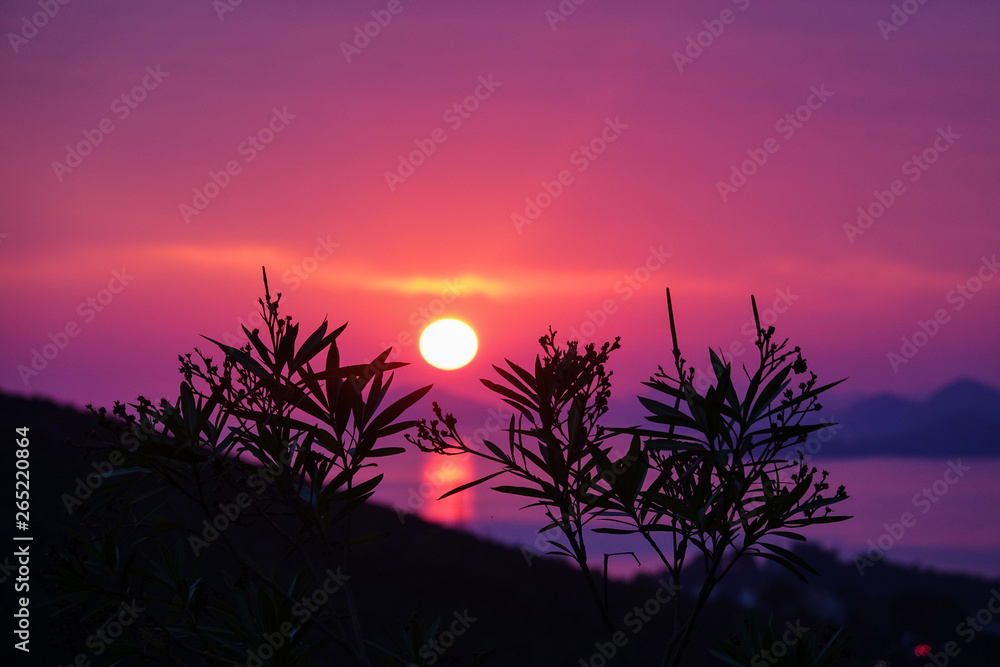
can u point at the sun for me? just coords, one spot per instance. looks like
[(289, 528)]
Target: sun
[(448, 344)]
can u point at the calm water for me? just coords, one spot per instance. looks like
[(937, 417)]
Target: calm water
[(928, 512)]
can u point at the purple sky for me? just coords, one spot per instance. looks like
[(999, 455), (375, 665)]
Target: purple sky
[(392, 251), (636, 144)]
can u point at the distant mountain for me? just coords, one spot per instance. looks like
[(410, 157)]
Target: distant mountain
[(965, 397), (960, 419), (880, 414), (963, 419)]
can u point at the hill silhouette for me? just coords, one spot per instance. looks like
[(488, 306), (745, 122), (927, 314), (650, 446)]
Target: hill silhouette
[(961, 419), (533, 613)]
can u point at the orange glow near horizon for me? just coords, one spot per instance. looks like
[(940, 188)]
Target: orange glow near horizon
[(439, 477)]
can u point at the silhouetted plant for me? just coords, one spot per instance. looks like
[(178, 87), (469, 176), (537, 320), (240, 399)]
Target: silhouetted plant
[(415, 647), (755, 646), (715, 478), (722, 480), (264, 437), (560, 405)]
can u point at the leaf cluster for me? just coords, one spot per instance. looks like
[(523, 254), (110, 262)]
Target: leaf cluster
[(280, 432), (715, 475)]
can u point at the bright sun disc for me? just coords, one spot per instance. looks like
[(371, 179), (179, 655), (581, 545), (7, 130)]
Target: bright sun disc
[(448, 344)]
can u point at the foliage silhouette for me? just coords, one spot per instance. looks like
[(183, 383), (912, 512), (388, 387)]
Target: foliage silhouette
[(282, 434), (281, 430), (721, 479), (759, 646)]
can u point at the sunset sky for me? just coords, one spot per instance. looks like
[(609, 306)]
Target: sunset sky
[(503, 163), (200, 84)]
